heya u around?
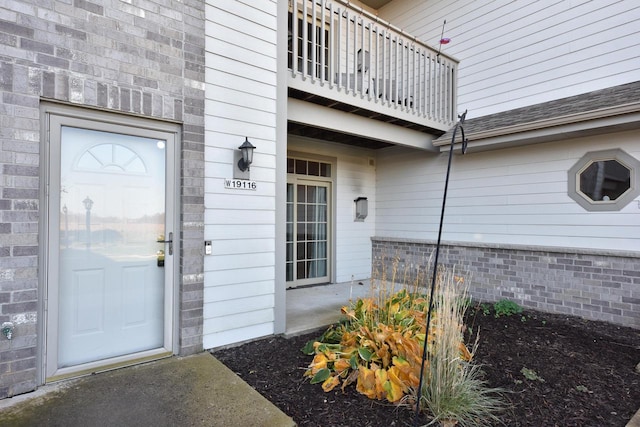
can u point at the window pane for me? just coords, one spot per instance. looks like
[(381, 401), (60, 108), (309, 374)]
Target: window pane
[(290, 193), (314, 168), (605, 180), (311, 250), (290, 166), (311, 194), (289, 251), (322, 250), (289, 272), (311, 213), (301, 167), (325, 169), (301, 254), (289, 212), (322, 232), (301, 213), (311, 269), (322, 195), (321, 266), (290, 232), (322, 213)]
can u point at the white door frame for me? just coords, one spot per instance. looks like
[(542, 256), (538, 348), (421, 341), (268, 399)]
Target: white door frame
[(330, 182), (52, 117)]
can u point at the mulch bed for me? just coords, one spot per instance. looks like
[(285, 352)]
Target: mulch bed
[(586, 370)]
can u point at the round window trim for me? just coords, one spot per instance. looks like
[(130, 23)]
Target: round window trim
[(587, 160)]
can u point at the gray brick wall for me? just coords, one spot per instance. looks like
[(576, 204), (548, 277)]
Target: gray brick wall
[(143, 58), (590, 284)]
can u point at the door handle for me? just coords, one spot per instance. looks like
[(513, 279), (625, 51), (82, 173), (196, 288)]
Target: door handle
[(170, 241)]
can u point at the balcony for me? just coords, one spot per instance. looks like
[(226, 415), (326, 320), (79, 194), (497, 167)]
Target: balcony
[(342, 57)]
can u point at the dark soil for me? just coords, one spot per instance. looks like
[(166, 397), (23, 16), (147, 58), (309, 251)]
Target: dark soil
[(586, 370)]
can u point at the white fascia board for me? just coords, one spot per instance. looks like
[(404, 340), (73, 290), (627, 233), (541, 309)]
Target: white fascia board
[(316, 115), (608, 120)]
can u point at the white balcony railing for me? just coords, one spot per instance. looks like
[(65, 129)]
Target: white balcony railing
[(347, 54)]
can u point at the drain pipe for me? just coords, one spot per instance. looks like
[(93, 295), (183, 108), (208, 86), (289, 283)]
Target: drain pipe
[(435, 262)]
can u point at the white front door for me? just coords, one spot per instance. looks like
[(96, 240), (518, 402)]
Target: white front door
[(110, 265)]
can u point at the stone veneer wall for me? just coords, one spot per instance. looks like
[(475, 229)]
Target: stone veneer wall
[(597, 285), (142, 58)]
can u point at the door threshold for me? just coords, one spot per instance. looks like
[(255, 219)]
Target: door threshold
[(312, 285), (104, 366)]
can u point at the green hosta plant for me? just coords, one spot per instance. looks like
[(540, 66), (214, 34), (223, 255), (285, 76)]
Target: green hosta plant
[(380, 348), (506, 307), (379, 345)]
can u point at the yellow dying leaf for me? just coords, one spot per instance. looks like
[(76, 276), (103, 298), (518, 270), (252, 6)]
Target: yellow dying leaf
[(384, 355), (319, 362), (349, 313), (366, 382), (341, 365), (394, 374), (367, 304), (394, 308), (330, 355), (349, 340), (394, 391), (399, 362), (406, 373), (330, 383), (381, 379)]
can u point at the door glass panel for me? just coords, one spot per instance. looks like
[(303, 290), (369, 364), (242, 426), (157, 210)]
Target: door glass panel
[(111, 283), (322, 267), (311, 194), (322, 195)]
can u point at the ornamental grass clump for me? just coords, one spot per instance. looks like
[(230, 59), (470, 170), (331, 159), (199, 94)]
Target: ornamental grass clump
[(453, 390)]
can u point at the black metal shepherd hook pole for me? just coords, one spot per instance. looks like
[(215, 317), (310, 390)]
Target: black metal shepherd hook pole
[(435, 262)]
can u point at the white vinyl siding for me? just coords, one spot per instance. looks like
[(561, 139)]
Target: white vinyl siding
[(240, 102), (354, 177), (513, 196), (514, 54)]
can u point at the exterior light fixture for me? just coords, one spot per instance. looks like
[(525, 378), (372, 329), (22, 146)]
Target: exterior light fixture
[(247, 155), (362, 208)]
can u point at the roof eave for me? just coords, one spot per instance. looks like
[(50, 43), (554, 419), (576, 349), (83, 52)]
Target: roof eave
[(595, 122)]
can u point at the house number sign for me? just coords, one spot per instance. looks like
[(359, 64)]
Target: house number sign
[(240, 184)]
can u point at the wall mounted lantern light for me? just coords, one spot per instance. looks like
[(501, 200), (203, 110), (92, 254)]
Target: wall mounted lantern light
[(247, 155)]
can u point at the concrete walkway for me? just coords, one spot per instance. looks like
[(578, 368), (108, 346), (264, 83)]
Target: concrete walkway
[(313, 307), (190, 391)]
